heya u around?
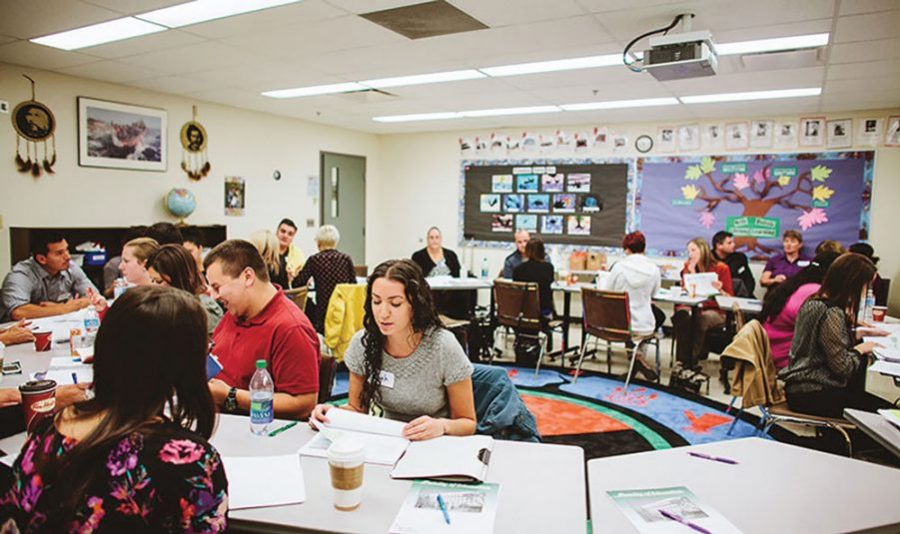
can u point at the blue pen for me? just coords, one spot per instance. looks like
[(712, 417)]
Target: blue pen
[(74, 377), (443, 506)]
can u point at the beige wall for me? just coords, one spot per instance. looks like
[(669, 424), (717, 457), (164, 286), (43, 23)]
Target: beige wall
[(419, 171), (241, 143)]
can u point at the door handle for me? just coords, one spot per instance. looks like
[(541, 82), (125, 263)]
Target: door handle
[(335, 179)]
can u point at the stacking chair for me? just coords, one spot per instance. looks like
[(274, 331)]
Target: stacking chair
[(518, 307), (327, 371), (607, 316), (298, 296)]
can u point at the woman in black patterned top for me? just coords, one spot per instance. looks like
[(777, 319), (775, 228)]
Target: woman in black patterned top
[(328, 268)]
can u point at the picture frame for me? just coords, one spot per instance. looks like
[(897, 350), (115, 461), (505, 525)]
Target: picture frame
[(839, 133), (892, 133), (114, 135), (812, 131), (762, 133), (737, 136)]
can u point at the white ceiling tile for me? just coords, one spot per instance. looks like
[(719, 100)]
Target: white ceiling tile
[(174, 84), (770, 31), (295, 16), (756, 110), (605, 6), (747, 81), (867, 27), (863, 86), (407, 58), (856, 7), (864, 51), (29, 19), (207, 55), (111, 71), (43, 57), (131, 7), (267, 76), (7, 39), (368, 6), (865, 70), (144, 44), (496, 14), (575, 94)]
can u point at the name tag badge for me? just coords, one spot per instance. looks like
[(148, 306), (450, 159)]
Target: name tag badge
[(803, 263), (741, 270), (387, 379)]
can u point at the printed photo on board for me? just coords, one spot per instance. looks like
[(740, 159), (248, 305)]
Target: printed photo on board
[(502, 223), (539, 203), (513, 203), (552, 224), (490, 203), (564, 203), (579, 225), (553, 183), (579, 183), (527, 183), (502, 183)]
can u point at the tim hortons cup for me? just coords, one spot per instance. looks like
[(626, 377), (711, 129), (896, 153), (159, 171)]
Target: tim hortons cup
[(346, 458), (38, 401)]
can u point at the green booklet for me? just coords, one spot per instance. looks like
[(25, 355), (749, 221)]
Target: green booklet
[(666, 510), (470, 508)]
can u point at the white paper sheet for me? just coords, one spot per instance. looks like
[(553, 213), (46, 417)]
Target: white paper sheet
[(84, 373), (259, 481), (357, 422), (887, 368), (700, 284), (384, 450)]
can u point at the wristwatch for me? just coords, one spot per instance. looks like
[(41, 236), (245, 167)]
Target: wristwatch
[(230, 405)]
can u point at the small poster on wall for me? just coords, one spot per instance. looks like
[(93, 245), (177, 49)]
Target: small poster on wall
[(840, 133), (502, 223), (892, 138), (714, 137), (665, 139), (870, 131), (552, 224), (235, 199), (527, 222), (761, 134), (689, 137), (812, 131), (579, 225), (490, 203), (737, 136), (786, 135)]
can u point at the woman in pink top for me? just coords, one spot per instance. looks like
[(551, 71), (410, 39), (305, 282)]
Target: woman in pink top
[(780, 307)]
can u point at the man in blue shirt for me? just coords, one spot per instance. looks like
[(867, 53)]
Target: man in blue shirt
[(46, 284), (518, 256)]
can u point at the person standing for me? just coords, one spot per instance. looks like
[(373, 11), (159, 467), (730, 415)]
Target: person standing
[(742, 280), (290, 255), (328, 268)]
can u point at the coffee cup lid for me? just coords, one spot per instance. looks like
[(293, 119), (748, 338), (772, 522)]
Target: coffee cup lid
[(37, 386), (346, 448)]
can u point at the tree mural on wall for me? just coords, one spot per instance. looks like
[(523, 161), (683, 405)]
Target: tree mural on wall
[(758, 195)]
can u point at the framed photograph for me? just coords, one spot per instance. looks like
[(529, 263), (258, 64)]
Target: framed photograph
[(737, 136), (786, 135), (665, 139), (892, 136), (714, 137), (761, 134), (121, 136), (840, 133), (812, 131), (235, 196), (870, 131), (689, 138)]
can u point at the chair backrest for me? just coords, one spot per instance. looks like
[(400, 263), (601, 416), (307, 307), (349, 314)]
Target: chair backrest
[(881, 292), (606, 314), (361, 270), (738, 316), (518, 304), (298, 296), (326, 377)]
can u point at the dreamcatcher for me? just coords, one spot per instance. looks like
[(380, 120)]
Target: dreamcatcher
[(193, 140), (35, 124)]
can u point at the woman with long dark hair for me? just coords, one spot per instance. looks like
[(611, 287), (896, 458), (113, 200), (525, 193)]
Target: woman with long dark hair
[(135, 456), (828, 364), (405, 362), (779, 311), (173, 266)]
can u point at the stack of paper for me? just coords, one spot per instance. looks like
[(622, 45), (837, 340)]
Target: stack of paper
[(63, 367), (383, 438), (701, 284), (258, 481), (888, 349), (674, 509), (60, 324), (470, 508), (449, 458)]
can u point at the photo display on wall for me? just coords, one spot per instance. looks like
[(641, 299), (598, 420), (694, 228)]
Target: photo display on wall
[(564, 203)]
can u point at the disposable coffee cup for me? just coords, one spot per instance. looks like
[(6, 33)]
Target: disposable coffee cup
[(346, 458), (879, 313), (38, 401), (43, 340)]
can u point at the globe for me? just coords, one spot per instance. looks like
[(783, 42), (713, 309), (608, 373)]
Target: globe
[(180, 202)]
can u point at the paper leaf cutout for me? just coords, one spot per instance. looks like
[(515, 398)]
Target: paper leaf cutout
[(690, 192), (707, 219), (820, 173), (784, 180), (707, 164), (812, 217), (822, 192), (759, 177), (741, 181), (693, 172)]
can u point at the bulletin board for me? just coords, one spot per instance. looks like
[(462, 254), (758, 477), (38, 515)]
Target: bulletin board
[(564, 202), (756, 197)]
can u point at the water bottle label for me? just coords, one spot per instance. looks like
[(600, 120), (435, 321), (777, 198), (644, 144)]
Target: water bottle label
[(91, 324), (118, 291), (261, 412)]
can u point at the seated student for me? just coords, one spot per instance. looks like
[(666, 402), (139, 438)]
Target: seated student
[(827, 371), (165, 233), (787, 263), (405, 362), (742, 279), (111, 269), (289, 254), (267, 245), (260, 324), (327, 268), (830, 245), (779, 311), (537, 269), (640, 278), (46, 284), (173, 266), (692, 344), (135, 254), (194, 242), (517, 256), (135, 456), (435, 260), (879, 287)]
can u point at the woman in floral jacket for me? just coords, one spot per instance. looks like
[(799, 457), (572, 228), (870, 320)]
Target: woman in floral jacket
[(121, 462)]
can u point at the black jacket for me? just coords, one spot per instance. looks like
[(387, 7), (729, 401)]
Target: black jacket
[(424, 260), (740, 270)]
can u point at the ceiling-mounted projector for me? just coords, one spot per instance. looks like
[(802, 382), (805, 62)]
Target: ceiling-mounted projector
[(681, 55)]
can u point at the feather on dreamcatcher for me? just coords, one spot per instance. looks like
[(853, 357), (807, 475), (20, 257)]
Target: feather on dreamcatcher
[(193, 140), (35, 124)]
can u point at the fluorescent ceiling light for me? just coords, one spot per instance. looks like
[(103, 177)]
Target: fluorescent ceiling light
[(752, 95), (348, 87), (510, 111), (105, 32), (772, 45), (618, 104), (554, 66), (204, 10), (420, 79), (418, 117)]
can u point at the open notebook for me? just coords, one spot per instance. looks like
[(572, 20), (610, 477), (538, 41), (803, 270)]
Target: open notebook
[(448, 458), (383, 438)]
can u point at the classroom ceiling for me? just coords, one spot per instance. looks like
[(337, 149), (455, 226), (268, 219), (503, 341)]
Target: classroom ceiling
[(316, 42)]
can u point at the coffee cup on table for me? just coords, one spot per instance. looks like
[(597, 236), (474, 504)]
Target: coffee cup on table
[(879, 313), (38, 401), (43, 340), (346, 459)]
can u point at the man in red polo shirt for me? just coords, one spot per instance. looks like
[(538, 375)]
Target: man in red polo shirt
[(261, 324)]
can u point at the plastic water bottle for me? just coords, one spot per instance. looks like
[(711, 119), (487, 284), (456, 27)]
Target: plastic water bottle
[(485, 271), (91, 324), (262, 389), (870, 306)]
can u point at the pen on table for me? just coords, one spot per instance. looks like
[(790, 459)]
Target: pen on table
[(683, 521), (281, 429), (443, 506), (74, 377), (714, 458)]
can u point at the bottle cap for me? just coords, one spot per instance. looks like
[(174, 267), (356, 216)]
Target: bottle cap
[(260, 364)]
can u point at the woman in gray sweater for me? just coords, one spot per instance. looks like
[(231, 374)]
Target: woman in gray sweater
[(827, 365)]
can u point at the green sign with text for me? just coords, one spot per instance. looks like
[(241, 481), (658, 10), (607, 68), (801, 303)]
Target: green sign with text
[(762, 227), (777, 172), (733, 167)]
